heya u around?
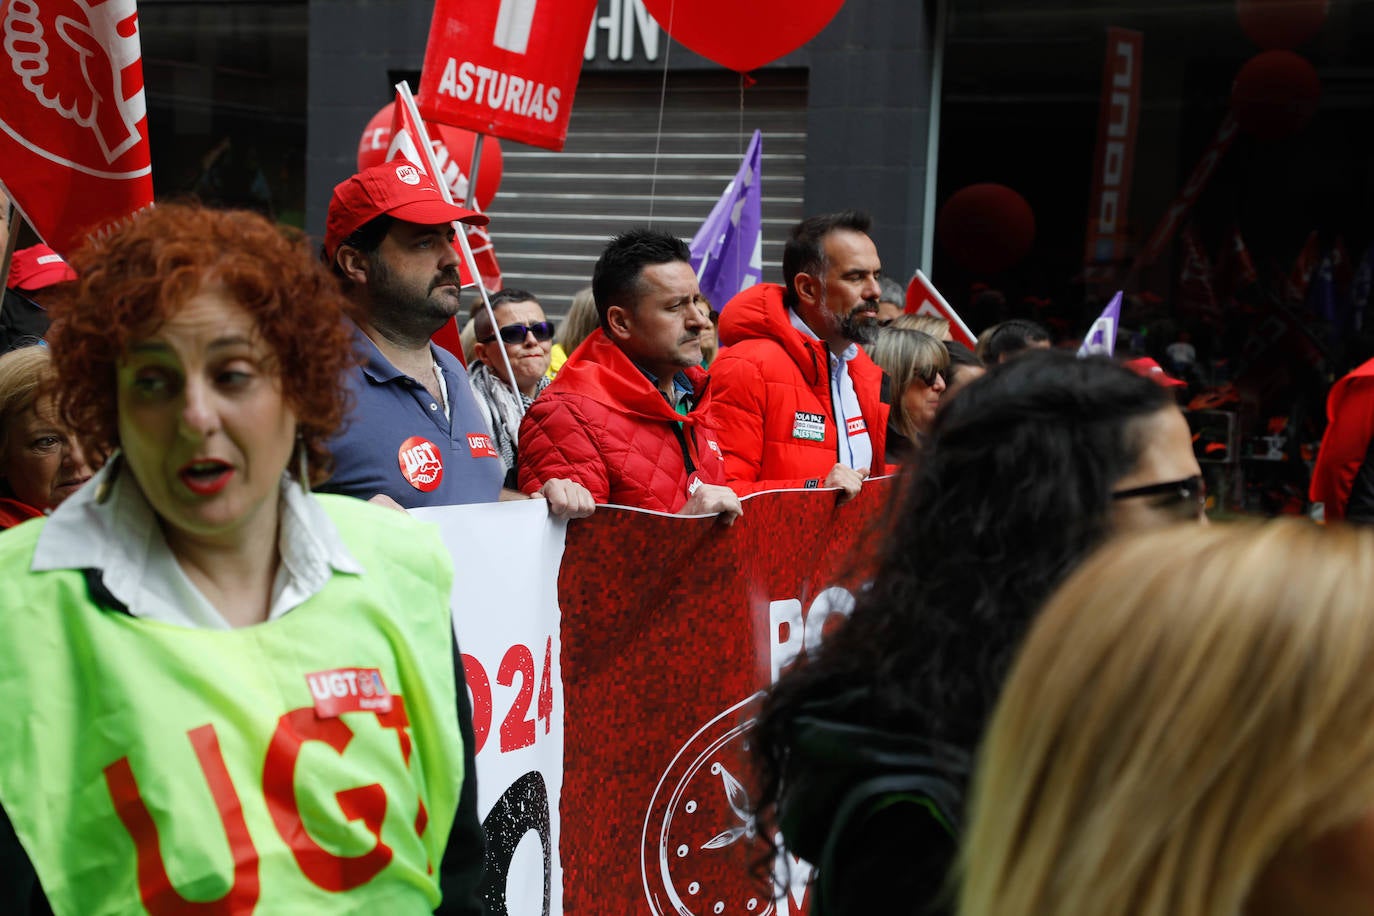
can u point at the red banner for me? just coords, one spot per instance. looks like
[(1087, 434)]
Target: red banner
[(615, 673), (505, 67), (73, 121), (1114, 161)]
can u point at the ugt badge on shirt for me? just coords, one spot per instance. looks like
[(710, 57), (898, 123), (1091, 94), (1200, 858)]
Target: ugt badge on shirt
[(809, 426)]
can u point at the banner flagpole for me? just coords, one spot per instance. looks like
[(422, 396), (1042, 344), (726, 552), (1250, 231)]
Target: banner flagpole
[(12, 220), (432, 166), (473, 167)]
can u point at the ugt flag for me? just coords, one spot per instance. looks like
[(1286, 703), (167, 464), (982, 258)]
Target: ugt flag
[(727, 251), (405, 145), (1101, 337), (73, 119)]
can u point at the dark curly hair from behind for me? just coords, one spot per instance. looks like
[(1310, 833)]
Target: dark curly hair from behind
[(133, 279), (1012, 490)]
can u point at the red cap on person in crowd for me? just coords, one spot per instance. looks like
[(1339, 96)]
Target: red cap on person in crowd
[(1154, 371), (397, 189), (38, 267)]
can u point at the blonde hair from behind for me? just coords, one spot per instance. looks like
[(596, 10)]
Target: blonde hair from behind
[(935, 327), (1189, 704), (23, 375), (581, 321)]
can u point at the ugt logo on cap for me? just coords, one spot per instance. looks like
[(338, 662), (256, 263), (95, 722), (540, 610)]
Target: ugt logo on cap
[(408, 174)]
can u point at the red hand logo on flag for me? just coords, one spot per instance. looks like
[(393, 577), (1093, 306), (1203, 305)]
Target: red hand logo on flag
[(73, 129)]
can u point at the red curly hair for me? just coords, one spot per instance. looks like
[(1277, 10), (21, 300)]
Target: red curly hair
[(135, 278)]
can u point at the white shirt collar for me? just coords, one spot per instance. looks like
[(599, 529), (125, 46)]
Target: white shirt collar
[(845, 355), (122, 540)]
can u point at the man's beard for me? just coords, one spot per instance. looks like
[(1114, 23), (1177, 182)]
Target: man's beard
[(403, 307), (860, 325)]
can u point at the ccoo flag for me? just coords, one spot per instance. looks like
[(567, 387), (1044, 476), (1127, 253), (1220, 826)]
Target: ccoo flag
[(1101, 337), (727, 251)]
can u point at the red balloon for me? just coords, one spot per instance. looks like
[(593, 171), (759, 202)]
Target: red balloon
[(986, 228), (743, 34), (452, 148), (1281, 23), (1275, 94)]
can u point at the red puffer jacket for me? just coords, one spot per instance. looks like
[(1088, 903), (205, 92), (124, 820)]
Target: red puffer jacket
[(603, 424), (770, 373)]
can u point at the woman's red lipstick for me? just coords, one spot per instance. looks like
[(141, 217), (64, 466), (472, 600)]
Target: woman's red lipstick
[(206, 477)]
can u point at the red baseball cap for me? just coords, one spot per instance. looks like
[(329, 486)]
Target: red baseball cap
[(398, 189), (1154, 371), (38, 267)]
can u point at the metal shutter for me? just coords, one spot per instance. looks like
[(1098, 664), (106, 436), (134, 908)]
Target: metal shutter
[(554, 211)]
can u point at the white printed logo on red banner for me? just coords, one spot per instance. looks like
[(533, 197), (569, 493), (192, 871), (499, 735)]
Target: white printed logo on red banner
[(505, 67), (421, 464), (481, 447), (73, 127), (341, 690)]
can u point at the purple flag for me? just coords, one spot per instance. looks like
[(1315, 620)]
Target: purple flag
[(1101, 337), (727, 251)]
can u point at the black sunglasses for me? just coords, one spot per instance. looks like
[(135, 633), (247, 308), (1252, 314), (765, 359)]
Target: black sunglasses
[(515, 333), (1187, 497), (928, 378)]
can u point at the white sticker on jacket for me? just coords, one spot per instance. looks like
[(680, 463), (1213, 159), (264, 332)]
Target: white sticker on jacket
[(808, 426)]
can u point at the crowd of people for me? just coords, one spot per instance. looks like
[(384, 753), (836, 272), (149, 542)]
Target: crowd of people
[(1062, 692)]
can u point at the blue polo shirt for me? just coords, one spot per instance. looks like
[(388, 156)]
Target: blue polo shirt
[(397, 441)]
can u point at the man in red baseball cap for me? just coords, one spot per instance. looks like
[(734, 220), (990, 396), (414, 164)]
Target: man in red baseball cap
[(34, 273), (415, 436)]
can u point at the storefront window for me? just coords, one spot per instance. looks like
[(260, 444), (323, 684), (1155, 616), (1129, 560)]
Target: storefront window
[(1225, 184), (227, 102)]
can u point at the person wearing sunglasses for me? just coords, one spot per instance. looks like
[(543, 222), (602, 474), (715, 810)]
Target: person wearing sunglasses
[(914, 363), (526, 335), (864, 749)]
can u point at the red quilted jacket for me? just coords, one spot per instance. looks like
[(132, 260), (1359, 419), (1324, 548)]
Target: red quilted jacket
[(768, 374), (603, 424)]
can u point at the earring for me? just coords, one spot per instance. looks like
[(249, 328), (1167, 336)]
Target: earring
[(302, 464), (112, 466)]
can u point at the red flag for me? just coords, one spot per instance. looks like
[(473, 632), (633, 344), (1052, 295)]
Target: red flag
[(1195, 278), (1295, 288), (73, 119), (1243, 266), (405, 146), (922, 298)]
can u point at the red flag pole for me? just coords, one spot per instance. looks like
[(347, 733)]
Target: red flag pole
[(473, 166), (12, 221)]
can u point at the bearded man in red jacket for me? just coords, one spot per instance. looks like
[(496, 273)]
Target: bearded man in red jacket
[(798, 403), (628, 414)]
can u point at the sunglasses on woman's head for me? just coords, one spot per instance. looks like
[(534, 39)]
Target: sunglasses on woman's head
[(1186, 497), (515, 333)]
